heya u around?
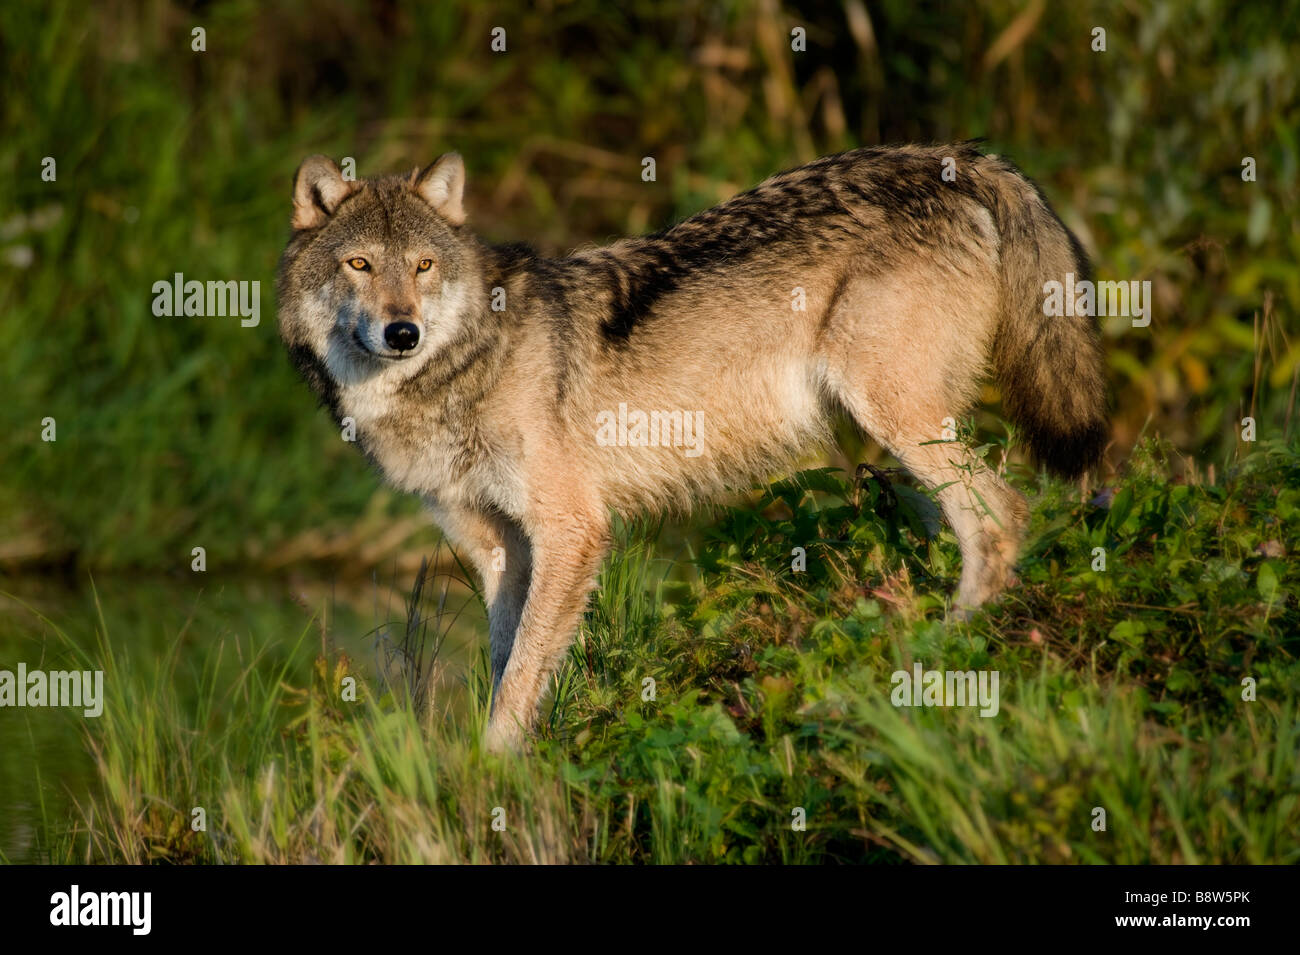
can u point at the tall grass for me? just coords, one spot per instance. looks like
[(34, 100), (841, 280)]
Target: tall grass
[(771, 703)]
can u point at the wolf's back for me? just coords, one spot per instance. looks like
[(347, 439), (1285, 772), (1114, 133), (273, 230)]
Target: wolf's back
[(1050, 369)]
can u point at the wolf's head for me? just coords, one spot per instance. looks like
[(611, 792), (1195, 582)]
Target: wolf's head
[(378, 275)]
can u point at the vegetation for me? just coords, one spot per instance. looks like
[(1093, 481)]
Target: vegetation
[(174, 432), (1161, 689)]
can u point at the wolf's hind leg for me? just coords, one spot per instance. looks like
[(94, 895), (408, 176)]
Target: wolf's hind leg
[(901, 358), (987, 516)]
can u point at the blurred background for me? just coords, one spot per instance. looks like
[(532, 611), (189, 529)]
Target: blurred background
[(178, 432)]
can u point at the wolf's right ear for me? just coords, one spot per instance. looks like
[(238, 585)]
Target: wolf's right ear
[(318, 188)]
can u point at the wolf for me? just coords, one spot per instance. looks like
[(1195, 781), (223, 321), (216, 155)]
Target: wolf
[(884, 282)]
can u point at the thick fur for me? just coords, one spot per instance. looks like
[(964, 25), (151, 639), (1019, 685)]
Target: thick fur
[(912, 288)]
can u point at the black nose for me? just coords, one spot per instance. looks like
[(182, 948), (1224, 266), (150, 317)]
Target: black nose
[(402, 335)]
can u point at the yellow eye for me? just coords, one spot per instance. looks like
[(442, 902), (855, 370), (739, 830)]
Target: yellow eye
[(360, 264), (425, 265)]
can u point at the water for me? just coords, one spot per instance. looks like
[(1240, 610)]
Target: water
[(46, 770)]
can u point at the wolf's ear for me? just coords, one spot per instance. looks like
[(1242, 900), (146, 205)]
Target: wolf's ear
[(442, 185), (318, 188)]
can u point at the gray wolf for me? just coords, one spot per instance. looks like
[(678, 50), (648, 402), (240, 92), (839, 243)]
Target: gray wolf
[(519, 395)]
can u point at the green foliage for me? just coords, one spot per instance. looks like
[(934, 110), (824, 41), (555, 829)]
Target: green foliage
[(175, 430), (1121, 689)]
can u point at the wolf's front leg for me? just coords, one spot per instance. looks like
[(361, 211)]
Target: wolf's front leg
[(506, 581), (565, 560), (500, 553)]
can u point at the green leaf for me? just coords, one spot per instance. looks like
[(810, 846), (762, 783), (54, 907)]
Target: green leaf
[(1266, 581), (1120, 508), (1128, 632)]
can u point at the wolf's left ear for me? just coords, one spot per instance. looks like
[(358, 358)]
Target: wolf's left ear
[(442, 185), (318, 188)]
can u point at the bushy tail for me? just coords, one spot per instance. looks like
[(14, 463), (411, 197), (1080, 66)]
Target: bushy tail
[(1049, 368)]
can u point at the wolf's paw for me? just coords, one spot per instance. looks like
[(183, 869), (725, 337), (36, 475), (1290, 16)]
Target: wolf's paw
[(503, 738), (962, 614)]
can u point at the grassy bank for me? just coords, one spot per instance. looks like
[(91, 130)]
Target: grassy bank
[(1121, 690)]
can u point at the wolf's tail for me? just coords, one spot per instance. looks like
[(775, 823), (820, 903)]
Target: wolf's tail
[(1049, 368)]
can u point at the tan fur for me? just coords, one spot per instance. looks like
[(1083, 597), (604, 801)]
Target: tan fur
[(913, 286)]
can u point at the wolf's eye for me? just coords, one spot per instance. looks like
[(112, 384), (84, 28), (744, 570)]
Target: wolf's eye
[(425, 265), (360, 264)]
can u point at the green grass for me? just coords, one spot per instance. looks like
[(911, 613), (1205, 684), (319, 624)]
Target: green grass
[(1120, 690)]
